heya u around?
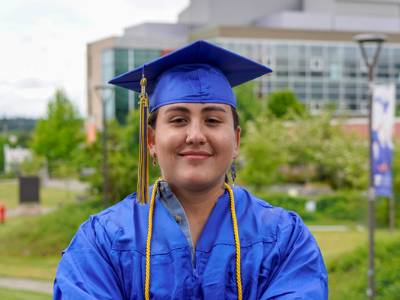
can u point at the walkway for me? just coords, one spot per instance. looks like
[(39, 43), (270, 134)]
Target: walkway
[(27, 285)]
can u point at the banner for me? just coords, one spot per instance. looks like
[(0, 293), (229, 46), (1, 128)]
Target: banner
[(382, 131)]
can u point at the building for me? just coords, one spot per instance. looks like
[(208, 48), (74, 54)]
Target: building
[(308, 43), (14, 157), (115, 55)]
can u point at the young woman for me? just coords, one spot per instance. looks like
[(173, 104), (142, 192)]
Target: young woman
[(198, 237)]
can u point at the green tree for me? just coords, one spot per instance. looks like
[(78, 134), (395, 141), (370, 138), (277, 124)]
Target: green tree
[(285, 104), (261, 154), (249, 105), (310, 149), (57, 137), (3, 141), (123, 151)]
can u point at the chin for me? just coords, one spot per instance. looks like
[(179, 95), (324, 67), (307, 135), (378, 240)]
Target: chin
[(197, 181)]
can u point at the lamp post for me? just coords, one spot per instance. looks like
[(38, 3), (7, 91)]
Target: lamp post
[(101, 89), (374, 40)]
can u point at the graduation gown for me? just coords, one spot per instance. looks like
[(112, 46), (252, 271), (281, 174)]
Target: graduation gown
[(280, 259)]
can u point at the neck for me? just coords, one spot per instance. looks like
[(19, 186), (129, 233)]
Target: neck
[(198, 205), (197, 200)]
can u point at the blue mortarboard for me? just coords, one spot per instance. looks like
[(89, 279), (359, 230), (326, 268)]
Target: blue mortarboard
[(200, 72)]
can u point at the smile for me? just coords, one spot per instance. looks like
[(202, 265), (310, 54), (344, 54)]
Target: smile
[(195, 155)]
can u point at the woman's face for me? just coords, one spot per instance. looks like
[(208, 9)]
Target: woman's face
[(194, 143)]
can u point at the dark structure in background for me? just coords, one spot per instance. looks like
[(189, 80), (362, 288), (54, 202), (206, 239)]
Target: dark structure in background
[(29, 187)]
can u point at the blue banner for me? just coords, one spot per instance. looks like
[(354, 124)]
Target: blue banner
[(382, 145)]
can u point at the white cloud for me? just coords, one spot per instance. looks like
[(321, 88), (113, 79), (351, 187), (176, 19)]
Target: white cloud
[(44, 45)]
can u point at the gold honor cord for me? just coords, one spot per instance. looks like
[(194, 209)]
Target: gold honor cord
[(143, 168), (237, 241), (150, 232)]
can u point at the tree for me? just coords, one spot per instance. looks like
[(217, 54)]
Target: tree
[(123, 151), (58, 136), (310, 149), (249, 106), (283, 104)]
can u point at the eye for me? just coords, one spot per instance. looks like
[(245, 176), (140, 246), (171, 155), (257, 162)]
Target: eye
[(213, 121), (178, 120)]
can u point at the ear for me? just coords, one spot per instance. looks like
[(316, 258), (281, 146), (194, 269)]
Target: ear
[(151, 140), (236, 149)]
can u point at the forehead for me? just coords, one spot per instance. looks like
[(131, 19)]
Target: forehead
[(194, 108)]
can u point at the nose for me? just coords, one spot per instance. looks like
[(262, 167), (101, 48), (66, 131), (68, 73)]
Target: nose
[(195, 134)]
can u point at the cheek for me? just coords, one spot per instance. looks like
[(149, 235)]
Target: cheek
[(166, 142)]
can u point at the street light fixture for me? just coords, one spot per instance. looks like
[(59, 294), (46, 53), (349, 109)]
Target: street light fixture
[(101, 89), (373, 40)]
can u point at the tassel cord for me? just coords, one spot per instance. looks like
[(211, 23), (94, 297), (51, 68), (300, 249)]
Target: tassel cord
[(235, 233)]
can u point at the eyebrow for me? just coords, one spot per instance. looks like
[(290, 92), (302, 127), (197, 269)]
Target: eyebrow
[(208, 108), (177, 108), (213, 108)]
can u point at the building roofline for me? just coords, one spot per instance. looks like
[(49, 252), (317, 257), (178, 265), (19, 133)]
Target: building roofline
[(279, 34)]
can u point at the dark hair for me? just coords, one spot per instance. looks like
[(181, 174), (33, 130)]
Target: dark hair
[(152, 120)]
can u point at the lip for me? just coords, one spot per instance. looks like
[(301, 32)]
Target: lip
[(195, 155)]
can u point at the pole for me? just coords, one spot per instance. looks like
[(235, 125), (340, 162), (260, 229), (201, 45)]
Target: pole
[(376, 39), (371, 194)]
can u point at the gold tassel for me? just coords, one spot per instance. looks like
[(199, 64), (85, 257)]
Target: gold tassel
[(143, 168)]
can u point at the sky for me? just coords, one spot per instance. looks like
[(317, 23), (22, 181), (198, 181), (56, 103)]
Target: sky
[(43, 46)]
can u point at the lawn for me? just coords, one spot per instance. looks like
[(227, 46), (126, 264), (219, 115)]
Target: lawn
[(334, 244), (32, 267), (8, 294), (49, 197)]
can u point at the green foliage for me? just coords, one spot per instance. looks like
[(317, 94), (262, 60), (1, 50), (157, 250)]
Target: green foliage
[(58, 136), (396, 168), (260, 144), (348, 274), (44, 235), (285, 104), (3, 141), (249, 106), (344, 206), (296, 204), (122, 159), (307, 149)]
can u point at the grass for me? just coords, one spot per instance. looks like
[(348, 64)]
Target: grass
[(9, 294), (49, 197), (30, 247), (45, 235), (348, 272), (32, 267), (335, 244)]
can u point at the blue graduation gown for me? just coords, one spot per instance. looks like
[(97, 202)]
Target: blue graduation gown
[(279, 257)]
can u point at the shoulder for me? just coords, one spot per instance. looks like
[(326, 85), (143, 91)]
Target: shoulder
[(269, 220), (104, 227)]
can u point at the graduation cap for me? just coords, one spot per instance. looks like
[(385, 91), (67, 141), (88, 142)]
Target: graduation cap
[(198, 73)]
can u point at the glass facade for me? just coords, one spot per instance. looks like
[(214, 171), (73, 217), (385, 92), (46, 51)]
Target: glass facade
[(319, 73), (116, 61)]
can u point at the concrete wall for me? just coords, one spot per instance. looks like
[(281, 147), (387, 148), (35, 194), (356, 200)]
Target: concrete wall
[(93, 64), (233, 12), (383, 8), (304, 14), (198, 12)]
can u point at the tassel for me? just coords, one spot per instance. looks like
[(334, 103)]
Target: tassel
[(143, 168)]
